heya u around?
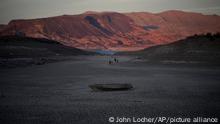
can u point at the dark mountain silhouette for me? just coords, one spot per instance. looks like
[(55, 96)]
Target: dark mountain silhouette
[(24, 51), (202, 48), (2, 26), (16, 47)]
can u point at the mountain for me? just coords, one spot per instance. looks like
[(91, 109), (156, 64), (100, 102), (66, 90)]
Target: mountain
[(198, 48), (24, 47), (115, 31), (2, 26), (23, 51)]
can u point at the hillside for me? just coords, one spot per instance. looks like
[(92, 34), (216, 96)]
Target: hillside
[(16, 51), (115, 31), (203, 48)]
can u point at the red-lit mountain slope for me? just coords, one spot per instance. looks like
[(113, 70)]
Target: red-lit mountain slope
[(115, 31)]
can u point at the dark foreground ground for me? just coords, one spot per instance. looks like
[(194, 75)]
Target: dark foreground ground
[(58, 93)]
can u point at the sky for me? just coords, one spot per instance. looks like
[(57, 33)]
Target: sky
[(29, 9)]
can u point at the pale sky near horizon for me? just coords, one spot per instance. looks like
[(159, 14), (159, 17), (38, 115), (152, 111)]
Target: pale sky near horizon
[(27, 9)]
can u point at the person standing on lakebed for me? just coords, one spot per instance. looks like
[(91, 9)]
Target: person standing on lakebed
[(115, 60)]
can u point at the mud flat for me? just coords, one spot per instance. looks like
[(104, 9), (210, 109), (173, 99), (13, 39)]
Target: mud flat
[(59, 93)]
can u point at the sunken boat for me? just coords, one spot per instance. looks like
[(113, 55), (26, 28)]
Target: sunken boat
[(111, 87)]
